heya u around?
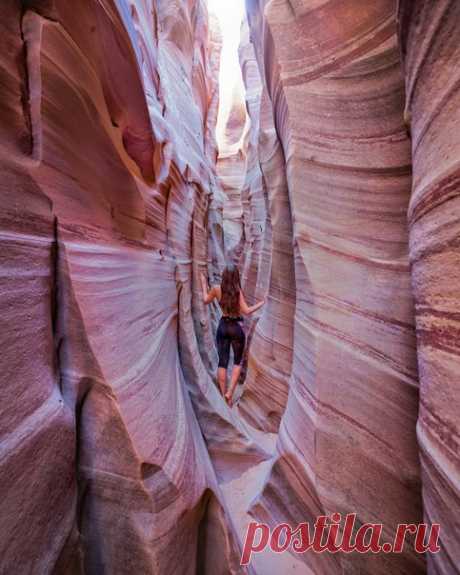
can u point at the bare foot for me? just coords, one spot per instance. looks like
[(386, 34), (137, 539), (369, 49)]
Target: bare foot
[(228, 399)]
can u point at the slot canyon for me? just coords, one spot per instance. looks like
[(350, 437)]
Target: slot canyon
[(335, 188)]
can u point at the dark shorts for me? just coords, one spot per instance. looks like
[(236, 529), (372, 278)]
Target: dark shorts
[(230, 333)]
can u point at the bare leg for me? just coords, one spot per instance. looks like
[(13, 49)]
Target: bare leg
[(222, 379), (233, 383)]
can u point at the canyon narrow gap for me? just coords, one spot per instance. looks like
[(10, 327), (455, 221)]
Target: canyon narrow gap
[(332, 180)]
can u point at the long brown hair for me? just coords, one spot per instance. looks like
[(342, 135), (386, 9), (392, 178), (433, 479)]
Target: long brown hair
[(230, 287)]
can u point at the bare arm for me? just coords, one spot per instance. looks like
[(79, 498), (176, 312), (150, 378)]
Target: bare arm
[(246, 309), (208, 296)]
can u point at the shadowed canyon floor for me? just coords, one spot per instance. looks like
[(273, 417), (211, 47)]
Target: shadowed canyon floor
[(336, 190)]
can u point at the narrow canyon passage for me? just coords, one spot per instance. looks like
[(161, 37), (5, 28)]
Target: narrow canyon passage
[(328, 171)]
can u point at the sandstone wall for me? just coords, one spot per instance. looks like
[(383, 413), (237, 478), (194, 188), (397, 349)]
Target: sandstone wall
[(108, 410), (431, 51), (347, 438), (337, 197), (270, 353)]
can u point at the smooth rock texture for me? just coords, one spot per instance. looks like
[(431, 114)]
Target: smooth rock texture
[(270, 353), (109, 416), (347, 439), (431, 54), (336, 192)]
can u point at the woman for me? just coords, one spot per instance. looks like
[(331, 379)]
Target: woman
[(229, 333)]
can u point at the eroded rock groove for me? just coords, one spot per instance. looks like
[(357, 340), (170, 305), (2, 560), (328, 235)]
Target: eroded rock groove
[(117, 452)]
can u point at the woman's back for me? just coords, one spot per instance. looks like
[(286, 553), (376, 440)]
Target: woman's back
[(229, 332)]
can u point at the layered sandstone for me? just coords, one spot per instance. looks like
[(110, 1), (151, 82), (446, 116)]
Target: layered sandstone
[(114, 437), (431, 52), (347, 437), (336, 193), (270, 352)]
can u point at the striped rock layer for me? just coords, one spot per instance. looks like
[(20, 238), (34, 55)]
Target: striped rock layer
[(113, 436), (339, 200), (356, 371)]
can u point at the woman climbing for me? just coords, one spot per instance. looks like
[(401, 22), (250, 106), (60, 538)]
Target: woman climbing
[(229, 333)]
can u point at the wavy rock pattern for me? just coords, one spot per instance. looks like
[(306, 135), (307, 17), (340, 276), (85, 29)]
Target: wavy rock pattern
[(109, 414), (270, 353), (231, 169), (347, 437), (431, 52), (117, 453)]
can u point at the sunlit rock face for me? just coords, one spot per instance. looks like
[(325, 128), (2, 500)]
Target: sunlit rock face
[(113, 434), (231, 171), (431, 55), (118, 454), (347, 438), (270, 249)]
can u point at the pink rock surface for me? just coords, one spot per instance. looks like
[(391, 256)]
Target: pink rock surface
[(117, 452), (231, 170), (347, 438), (270, 353), (431, 52), (109, 413)]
